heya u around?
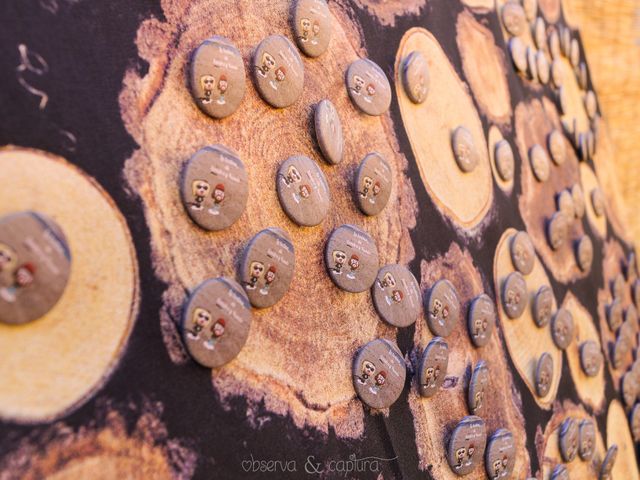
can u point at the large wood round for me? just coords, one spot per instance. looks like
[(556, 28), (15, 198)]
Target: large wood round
[(618, 433), (525, 341), (465, 198), (549, 448), (53, 364), (618, 186), (612, 62), (288, 341), (485, 68)]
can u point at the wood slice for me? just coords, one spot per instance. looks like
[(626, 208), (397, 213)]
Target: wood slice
[(618, 433), (315, 323), (609, 166), (435, 417), (573, 99), (86, 332), (591, 390), (617, 87), (549, 445), (485, 68), (534, 122), (465, 198), (525, 341)]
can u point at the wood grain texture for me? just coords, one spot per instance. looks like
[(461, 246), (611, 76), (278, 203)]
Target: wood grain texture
[(463, 197), (591, 390), (618, 433), (485, 68), (107, 448), (524, 340), (315, 323), (548, 445), (611, 171), (534, 121), (434, 418), (87, 330), (610, 32)]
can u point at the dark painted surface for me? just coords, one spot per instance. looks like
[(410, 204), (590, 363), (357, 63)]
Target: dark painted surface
[(61, 69)]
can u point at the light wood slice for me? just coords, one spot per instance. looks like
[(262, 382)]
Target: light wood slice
[(549, 445), (525, 341), (591, 390), (465, 198), (618, 433), (54, 364), (485, 68), (495, 135)]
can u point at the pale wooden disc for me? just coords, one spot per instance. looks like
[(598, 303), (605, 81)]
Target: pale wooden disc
[(590, 389), (573, 98), (288, 340), (525, 341), (612, 171), (463, 197), (54, 364), (551, 456), (481, 5), (612, 60)]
